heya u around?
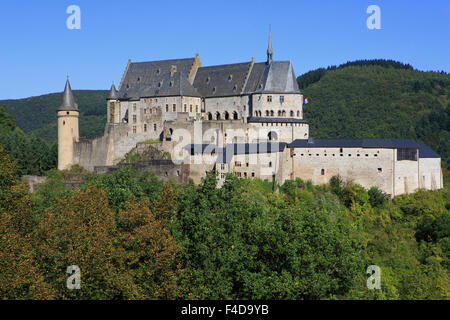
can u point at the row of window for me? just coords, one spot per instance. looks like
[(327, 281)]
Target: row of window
[(280, 113), (173, 109), (239, 164), (239, 175), (155, 127), (281, 124), (225, 116), (322, 171), (269, 99), (341, 154)]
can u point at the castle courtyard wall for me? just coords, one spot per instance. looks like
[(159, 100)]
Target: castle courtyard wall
[(367, 167)]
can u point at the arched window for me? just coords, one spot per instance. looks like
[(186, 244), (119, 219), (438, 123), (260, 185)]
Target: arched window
[(279, 113), (235, 115), (271, 113), (283, 113), (298, 113), (226, 115), (209, 116), (217, 116), (272, 136), (292, 113), (256, 113), (267, 113)]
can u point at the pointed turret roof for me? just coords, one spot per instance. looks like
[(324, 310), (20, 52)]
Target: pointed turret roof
[(68, 102), (269, 48), (113, 93)]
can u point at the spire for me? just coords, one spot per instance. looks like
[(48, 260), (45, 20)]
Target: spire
[(113, 93), (68, 102), (269, 48)]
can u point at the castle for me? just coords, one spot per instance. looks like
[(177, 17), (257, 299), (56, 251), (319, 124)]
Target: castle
[(244, 118)]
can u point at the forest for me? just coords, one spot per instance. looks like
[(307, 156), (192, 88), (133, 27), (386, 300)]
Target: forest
[(135, 237), (379, 99)]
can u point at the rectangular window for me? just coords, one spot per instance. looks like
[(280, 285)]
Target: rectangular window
[(196, 108), (134, 118), (322, 172), (134, 129), (134, 107), (167, 108), (174, 108), (185, 108), (111, 112), (190, 108), (145, 127), (154, 127), (406, 154), (281, 99), (269, 98), (253, 174)]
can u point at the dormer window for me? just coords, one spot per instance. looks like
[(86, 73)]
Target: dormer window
[(230, 77), (235, 88), (158, 71), (171, 83), (207, 80), (159, 84), (214, 90), (128, 86), (139, 79)]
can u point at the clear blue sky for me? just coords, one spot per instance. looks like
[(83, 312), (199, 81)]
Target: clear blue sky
[(38, 51)]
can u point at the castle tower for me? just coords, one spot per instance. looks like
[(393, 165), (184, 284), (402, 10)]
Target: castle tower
[(67, 128), (112, 106)]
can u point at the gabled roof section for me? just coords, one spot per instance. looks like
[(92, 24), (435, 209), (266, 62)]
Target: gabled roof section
[(153, 78), (222, 80), (281, 78), (273, 77), (148, 79), (68, 102)]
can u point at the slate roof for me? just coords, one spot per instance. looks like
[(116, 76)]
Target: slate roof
[(149, 79), (68, 102), (281, 78), (224, 155), (424, 150), (113, 93), (276, 77), (154, 78), (222, 80)]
